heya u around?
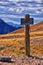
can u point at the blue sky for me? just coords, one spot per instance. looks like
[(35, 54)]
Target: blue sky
[(14, 10)]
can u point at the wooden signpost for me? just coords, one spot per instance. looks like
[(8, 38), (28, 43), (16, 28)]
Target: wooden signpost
[(27, 21)]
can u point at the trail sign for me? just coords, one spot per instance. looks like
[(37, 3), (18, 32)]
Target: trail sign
[(27, 21)]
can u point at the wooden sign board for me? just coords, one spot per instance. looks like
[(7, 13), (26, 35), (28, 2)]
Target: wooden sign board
[(26, 21)]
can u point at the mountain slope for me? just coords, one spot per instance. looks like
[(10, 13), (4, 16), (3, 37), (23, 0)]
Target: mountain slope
[(15, 25), (5, 28), (33, 28), (37, 27)]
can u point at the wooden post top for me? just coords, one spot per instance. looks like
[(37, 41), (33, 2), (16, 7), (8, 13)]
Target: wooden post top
[(27, 20), (27, 16)]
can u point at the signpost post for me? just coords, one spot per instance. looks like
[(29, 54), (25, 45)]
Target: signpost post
[(27, 21)]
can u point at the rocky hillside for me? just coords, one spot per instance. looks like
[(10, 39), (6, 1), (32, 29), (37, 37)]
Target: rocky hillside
[(19, 60)]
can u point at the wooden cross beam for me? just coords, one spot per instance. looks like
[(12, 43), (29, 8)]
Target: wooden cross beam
[(27, 21)]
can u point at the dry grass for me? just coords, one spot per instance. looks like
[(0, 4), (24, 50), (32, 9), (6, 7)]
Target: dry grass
[(11, 45)]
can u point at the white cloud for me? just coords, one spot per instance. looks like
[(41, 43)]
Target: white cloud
[(10, 16), (2, 7), (16, 9), (20, 0), (37, 12), (18, 4), (14, 0), (38, 5), (11, 9), (41, 10), (19, 10), (36, 18), (1, 2), (39, 1), (8, 20)]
